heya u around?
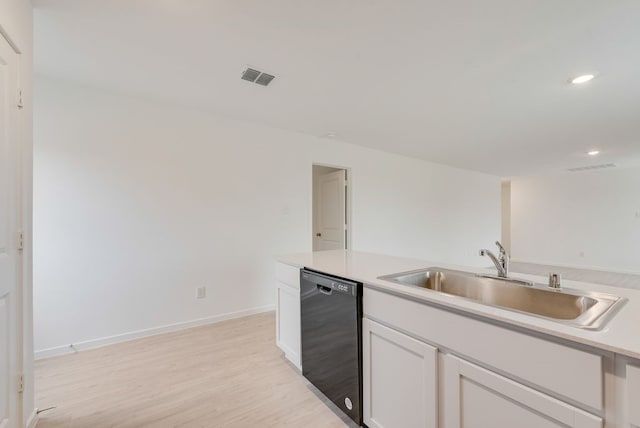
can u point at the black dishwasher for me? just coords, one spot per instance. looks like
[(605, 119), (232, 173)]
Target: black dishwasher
[(331, 323)]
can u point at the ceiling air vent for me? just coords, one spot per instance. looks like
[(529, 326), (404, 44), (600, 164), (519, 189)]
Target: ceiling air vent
[(592, 167), (250, 74), (256, 76), (264, 79)]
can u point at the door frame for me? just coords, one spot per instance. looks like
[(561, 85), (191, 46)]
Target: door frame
[(348, 242), (20, 171)]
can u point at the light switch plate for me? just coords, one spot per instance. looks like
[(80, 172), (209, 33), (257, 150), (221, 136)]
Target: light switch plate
[(201, 292)]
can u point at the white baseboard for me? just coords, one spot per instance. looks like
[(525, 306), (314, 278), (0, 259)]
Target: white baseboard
[(96, 343), (290, 354), (33, 419)]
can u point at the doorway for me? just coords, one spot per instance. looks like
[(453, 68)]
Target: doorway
[(331, 208)]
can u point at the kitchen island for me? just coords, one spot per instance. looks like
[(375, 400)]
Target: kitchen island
[(433, 359)]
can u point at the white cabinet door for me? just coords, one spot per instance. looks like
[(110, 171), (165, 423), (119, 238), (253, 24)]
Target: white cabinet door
[(288, 322), (633, 395), (400, 379), (474, 397)]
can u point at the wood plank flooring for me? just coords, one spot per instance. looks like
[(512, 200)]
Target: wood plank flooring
[(229, 374)]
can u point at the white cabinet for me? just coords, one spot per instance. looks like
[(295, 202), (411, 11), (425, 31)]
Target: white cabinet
[(408, 383), (288, 312), (572, 374), (633, 395), (473, 397), (400, 379)]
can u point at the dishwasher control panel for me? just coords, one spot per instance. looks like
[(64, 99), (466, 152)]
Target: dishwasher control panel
[(342, 287), (331, 283)]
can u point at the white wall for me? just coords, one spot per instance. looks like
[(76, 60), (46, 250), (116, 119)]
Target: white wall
[(506, 216), (583, 219), (138, 203), (16, 22)]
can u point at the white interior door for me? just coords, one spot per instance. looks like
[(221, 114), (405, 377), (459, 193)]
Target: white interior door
[(331, 211), (9, 246)]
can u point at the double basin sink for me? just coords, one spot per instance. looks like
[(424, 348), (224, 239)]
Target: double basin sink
[(577, 308)]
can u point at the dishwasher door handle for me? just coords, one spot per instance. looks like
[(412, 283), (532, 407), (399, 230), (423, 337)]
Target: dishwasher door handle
[(325, 290)]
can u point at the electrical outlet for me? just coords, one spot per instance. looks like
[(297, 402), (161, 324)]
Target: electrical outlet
[(201, 292)]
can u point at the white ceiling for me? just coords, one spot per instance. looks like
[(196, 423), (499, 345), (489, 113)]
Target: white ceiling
[(480, 85)]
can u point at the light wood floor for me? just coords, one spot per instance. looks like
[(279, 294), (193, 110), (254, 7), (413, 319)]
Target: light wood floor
[(229, 374)]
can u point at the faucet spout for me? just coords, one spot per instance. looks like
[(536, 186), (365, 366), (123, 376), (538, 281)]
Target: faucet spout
[(501, 262), (496, 262)]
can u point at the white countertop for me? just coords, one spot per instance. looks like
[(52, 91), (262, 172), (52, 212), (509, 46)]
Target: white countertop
[(620, 335)]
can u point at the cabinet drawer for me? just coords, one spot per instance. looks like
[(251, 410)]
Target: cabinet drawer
[(556, 369), (633, 395), (288, 274)]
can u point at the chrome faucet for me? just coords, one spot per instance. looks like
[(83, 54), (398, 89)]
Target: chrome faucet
[(501, 262)]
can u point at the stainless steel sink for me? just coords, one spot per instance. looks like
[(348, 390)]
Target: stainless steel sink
[(573, 307)]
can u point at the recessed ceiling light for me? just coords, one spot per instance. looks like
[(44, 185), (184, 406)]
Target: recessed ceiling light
[(582, 79), (593, 152)]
